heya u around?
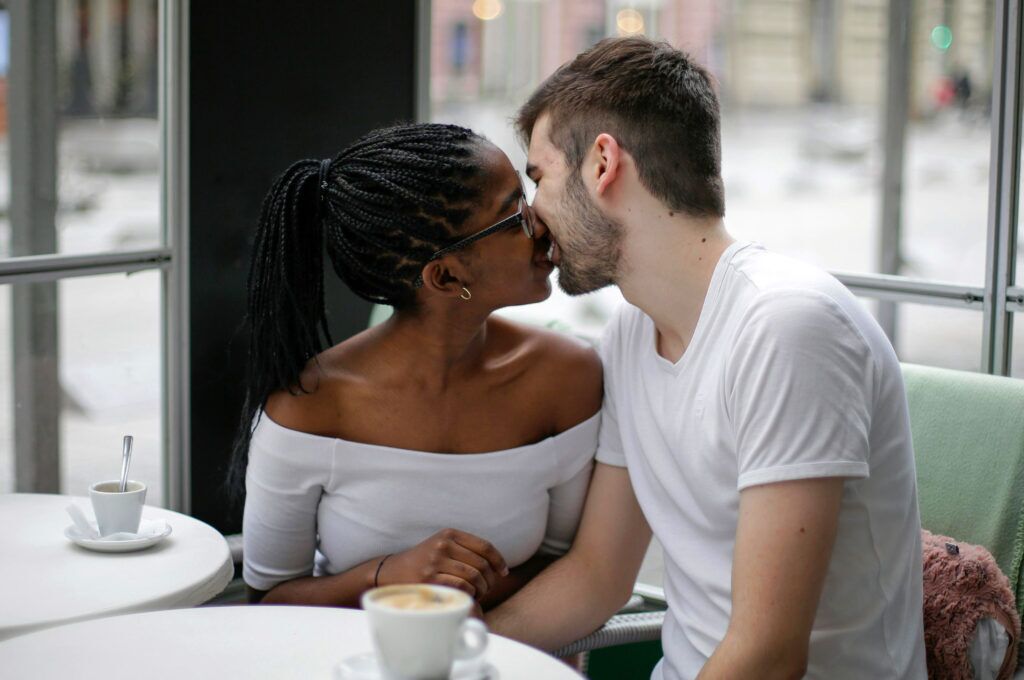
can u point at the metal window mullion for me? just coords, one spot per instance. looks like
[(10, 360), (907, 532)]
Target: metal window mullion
[(422, 57), (174, 139), (55, 276), (1015, 299), (32, 117), (902, 289), (891, 296), (897, 103), (38, 268), (1004, 175)]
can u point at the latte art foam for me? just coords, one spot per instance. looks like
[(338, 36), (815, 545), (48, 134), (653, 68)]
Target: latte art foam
[(419, 599)]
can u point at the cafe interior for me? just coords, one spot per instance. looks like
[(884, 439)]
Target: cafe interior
[(878, 139)]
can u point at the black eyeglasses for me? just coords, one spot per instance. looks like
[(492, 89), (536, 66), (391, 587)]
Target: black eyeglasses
[(522, 217)]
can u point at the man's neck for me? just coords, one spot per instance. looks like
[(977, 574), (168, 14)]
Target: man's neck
[(667, 272)]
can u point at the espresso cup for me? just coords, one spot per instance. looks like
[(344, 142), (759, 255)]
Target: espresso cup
[(420, 630), (116, 510)]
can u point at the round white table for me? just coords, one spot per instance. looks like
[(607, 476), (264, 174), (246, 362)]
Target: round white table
[(46, 580), (249, 642)]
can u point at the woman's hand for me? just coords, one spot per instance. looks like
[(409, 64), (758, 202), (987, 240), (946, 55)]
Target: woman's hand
[(448, 558)]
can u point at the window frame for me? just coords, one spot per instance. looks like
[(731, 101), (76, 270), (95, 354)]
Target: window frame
[(1001, 298), (173, 130)]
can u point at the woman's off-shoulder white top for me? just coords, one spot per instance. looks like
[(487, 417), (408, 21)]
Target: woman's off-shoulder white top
[(322, 505)]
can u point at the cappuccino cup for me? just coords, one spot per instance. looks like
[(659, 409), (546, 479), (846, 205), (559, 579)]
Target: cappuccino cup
[(420, 630), (117, 511)]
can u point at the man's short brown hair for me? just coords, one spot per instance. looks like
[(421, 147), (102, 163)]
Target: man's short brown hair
[(659, 105)]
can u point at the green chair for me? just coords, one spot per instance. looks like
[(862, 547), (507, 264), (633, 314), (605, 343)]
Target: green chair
[(968, 432)]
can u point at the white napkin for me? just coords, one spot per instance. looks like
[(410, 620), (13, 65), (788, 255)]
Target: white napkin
[(148, 528), (84, 526)]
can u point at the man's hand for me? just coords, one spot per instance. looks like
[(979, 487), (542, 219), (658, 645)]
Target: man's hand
[(578, 593), (784, 542)]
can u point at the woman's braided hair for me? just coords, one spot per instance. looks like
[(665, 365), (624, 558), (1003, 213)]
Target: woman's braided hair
[(380, 208)]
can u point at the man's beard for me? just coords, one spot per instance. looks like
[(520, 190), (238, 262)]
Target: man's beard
[(591, 250)]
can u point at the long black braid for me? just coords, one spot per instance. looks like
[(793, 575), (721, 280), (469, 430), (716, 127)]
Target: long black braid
[(381, 208)]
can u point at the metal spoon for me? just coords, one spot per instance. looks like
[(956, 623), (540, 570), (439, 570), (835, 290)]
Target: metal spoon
[(126, 457)]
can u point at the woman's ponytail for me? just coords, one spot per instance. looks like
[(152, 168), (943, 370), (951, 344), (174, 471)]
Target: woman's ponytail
[(285, 313), (380, 209)]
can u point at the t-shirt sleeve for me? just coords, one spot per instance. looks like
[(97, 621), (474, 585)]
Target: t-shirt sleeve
[(575, 453), (609, 446), (279, 526), (799, 391)]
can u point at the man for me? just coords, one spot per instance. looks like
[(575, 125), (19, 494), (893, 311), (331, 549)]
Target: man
[(759, 409)]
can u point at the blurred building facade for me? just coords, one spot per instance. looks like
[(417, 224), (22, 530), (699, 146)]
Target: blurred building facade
[(764, 53), (107, 58)]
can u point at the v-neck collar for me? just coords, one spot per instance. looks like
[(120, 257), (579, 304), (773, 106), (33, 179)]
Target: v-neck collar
[(707, 309)]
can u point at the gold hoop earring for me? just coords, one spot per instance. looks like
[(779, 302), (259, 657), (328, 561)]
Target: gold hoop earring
[(466, 295)]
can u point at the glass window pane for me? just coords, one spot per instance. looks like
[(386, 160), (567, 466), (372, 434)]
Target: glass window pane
[(801, 128), (937, 336), (946, 172), (108, 381), (107, 142), (803, 89)]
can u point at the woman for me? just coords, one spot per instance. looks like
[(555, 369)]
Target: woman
[(444, 445)]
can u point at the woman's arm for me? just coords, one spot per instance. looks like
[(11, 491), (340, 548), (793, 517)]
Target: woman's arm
[(338, 590), (449, 558), (284, 483)]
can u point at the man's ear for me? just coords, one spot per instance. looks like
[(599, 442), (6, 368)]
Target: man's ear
[(607, 162), (444, 277)]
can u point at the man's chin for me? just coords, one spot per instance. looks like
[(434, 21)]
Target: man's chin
[(575, 286)]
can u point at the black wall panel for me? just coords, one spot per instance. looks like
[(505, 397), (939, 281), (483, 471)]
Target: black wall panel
[(271, 82)]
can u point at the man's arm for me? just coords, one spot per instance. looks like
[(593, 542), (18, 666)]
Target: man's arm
[(783, 544), (578, 593)]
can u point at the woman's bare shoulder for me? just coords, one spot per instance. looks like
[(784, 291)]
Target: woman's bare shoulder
[(313, 404), (567, 371), (300, 407)]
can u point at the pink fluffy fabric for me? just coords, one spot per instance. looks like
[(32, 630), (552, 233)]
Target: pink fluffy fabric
[(960, 590)]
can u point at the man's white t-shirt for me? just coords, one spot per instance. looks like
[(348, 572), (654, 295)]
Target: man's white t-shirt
[(786, 377)]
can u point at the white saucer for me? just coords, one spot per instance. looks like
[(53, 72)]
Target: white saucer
[(364, 667), (116, 545)]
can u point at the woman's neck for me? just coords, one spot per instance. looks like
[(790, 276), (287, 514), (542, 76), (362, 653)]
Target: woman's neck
[(434, 348)]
